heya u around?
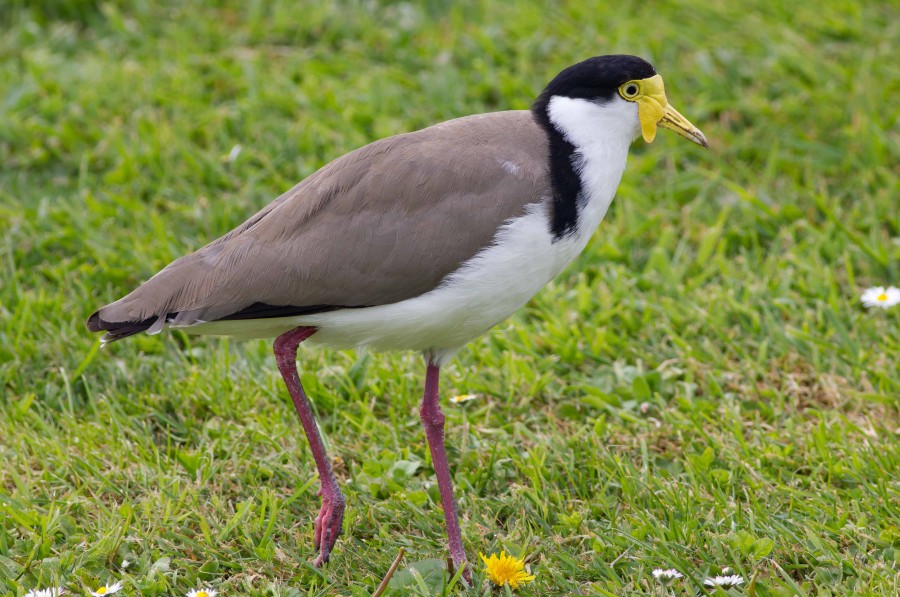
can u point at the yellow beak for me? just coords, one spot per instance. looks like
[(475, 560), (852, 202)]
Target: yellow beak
[(655, 110)]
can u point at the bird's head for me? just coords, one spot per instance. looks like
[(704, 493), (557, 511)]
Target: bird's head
[(621, 95)]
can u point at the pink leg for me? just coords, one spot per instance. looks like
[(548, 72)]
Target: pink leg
[(330, 519), (433, 420)]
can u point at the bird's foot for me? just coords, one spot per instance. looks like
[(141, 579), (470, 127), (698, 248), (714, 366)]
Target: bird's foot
[(328, 523)]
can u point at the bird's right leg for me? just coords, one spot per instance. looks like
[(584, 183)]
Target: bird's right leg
[(433, 421), (330, 519)]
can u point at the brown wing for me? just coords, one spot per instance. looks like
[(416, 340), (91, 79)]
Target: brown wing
[(382, 224)]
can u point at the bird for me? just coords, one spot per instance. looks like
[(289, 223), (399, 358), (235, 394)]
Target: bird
[(421, 241)]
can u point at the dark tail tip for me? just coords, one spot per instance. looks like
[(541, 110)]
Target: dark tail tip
[(116, 330), (94, 323)]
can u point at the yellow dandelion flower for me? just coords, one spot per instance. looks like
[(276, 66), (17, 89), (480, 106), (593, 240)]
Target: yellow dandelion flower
[(506, 570)]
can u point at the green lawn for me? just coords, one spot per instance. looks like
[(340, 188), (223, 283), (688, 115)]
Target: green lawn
[(701, 389)]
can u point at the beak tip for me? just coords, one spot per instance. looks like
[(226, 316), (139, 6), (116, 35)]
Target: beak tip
[(697, 136)]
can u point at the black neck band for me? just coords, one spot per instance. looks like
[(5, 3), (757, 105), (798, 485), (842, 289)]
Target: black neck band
[(565, 181)]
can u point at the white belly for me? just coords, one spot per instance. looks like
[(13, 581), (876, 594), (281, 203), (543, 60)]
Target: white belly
[(483, 292)]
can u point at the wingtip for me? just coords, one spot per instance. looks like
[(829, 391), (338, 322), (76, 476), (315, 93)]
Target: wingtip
[(94, 322), (118, 330)]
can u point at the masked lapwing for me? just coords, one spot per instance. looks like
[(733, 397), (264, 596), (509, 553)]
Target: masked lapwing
[(421, 241)]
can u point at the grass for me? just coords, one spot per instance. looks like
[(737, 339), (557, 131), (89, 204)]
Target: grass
[(702, 389)]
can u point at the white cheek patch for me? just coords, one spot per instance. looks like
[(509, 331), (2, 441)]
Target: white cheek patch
[(585, 123)]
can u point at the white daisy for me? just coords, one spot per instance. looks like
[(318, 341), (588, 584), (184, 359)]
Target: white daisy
[(51, 592), (666, 575), (202, 593), (463, 398), (724, 581), (107, 589), (125, 564), (879, 296)]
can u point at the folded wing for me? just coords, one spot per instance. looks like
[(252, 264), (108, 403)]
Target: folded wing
[(379, 225)]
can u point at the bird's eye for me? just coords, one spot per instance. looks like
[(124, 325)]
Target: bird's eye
[(629, 90)]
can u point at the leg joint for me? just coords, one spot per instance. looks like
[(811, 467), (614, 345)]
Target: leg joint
[(432, 415), (285, 345)]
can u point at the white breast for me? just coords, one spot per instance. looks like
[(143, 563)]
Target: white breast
[(494, 283)]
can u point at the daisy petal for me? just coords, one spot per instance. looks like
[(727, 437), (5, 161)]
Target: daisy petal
[(107, 589), (724, 581), (666, 575)]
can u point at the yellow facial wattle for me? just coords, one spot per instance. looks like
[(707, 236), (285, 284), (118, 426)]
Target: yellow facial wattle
[(654, 110), (652, 102)]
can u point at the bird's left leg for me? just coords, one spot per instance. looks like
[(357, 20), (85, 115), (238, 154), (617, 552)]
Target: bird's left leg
[(433, 421), (330, 519)]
